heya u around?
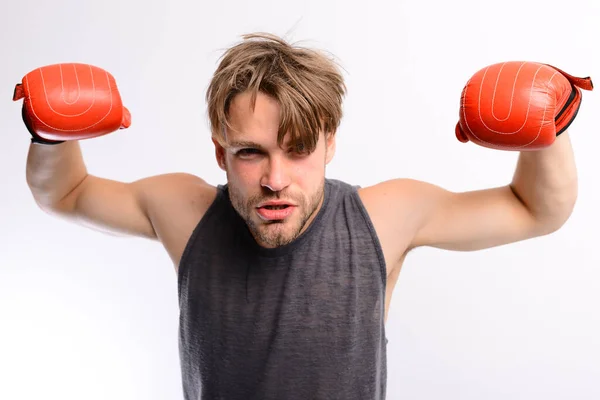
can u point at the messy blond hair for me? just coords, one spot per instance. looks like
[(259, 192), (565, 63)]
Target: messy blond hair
[(307, 85)]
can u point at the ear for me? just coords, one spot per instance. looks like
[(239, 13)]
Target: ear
[(219, 154), (329, 146)]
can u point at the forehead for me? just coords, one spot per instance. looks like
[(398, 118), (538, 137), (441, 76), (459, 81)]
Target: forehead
[(260, 124), (265, 113)]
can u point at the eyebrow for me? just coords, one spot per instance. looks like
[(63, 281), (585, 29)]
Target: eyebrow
[(242, 144)]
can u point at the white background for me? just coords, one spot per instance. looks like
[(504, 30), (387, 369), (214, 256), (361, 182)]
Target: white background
[(88, 316)]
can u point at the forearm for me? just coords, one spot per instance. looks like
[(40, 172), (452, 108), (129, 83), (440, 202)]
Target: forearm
[(54, 171), (546, 182)]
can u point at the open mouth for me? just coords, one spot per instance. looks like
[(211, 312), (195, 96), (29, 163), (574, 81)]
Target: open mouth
[(277, 207), (275, 212)]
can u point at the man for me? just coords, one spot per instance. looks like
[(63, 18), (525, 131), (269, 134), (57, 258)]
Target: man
[(285, 276)]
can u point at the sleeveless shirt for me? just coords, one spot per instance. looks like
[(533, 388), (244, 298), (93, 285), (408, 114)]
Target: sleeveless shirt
[(304, 321)]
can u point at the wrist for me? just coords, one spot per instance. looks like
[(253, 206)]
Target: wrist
[(42, 141)]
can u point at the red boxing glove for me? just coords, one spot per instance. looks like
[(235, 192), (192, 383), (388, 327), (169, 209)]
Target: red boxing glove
[(70, 102), (518, 105)]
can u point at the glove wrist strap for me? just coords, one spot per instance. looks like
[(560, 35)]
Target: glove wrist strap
[(39, 140)]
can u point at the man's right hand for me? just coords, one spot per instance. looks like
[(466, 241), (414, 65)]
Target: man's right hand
[(73, 101)]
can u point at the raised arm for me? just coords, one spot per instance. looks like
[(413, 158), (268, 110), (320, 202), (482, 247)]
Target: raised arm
[(61, 186), (520, 107), (66, 103), (538, 201)]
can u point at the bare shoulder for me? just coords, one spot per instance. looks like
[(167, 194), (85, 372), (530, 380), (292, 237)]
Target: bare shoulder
[(175, 203), (394, 207), (175, 186), (404, 194)]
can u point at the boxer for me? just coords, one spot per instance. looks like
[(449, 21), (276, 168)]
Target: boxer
[(285, 275)]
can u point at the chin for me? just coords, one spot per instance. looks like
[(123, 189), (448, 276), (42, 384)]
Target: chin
[(277, 233)]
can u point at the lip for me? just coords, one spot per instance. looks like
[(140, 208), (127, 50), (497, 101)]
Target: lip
[(267, 214), (276, 203)]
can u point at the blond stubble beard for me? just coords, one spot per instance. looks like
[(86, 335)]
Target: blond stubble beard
[(274, 237)]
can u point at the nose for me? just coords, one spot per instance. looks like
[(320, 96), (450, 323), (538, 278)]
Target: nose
[(276, 176)]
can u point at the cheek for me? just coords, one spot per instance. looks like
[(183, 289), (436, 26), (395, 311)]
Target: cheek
[(309, 172), (243, 173)]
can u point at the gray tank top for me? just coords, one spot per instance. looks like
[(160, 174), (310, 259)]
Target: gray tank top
[(304, 321)]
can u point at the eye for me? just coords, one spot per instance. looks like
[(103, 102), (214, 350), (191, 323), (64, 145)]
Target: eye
[(246, 153), (298, 152)]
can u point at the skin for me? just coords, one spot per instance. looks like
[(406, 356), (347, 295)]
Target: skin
[(259, 170), (406, 213)]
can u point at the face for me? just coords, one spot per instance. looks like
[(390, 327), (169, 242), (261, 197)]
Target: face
[(275, 189)]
